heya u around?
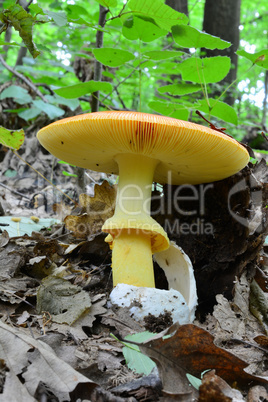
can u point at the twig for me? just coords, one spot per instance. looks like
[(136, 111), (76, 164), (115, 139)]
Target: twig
[(23, 78), (222, 130), (98, 65), (125, 79), (121, 100), (264, 136), (14, 191)]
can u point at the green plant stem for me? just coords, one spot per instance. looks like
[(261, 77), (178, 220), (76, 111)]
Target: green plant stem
[(140, 76)]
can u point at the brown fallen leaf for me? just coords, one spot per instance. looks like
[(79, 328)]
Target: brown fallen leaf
[(214, 388), (35, 362), (94, 211), (190, 349), (64, 301), (4, 238), (257, 393)]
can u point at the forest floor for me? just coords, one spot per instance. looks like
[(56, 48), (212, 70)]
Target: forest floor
[(61, 340)]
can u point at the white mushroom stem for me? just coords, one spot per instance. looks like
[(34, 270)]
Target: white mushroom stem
[(133, 230)]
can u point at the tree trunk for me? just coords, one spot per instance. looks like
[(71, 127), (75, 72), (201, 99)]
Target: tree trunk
[(179, 5), (222, 19)]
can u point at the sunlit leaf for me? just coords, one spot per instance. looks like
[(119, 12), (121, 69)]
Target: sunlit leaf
[(75, 91), (112, 57), (218, 109), (75, 11), (11, 138), (260, 58), (206, 70), (36, 9), (162, 54), (23, 22), (142, 28), (187, 36), (107, 3), (163, 15), (179, 89), (170, 109), (3, 43)]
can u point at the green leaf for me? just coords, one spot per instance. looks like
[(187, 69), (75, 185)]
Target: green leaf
[(3, 43), (36, 9), (30, 113), (179, 89), (187, 36), (23, 22), (142, 28), (218, 109), (196, 382), (51, 110), (260, 58), (162, 54), (75, 91), (75, 11), (112, 57), (206, 70), (68, 174), (163, 15), (23, 225), (59, 18), (170, 109), (134, 358), (11, 138), (107, 3), (20, 94)]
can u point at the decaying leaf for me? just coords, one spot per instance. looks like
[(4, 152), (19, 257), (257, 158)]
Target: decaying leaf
[(94, 211), (11, 138), (17, 355), (64, 301), (257, 393), (4, 238), (214, 388), (191, 349)]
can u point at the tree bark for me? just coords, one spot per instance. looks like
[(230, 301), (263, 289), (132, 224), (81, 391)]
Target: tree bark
[(179, 5), (222, 19)]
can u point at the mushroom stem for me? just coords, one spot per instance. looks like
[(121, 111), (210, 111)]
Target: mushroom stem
[(136, 174), (133, 230), (132, 259)]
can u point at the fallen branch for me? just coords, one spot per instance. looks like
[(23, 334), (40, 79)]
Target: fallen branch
[(23, 78)]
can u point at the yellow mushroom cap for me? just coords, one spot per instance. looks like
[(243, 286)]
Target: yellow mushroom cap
[(192, 153)]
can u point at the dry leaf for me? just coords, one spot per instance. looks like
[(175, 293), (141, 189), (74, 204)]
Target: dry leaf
[(214, 388), (95, 211), (46, 367), (257, 393), (4, 238), (191, 349), (66, 302)]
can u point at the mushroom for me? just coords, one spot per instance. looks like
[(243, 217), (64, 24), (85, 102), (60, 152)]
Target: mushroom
[(141, 148)]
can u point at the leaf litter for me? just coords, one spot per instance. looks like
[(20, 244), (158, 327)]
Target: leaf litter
[(56, 324)]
